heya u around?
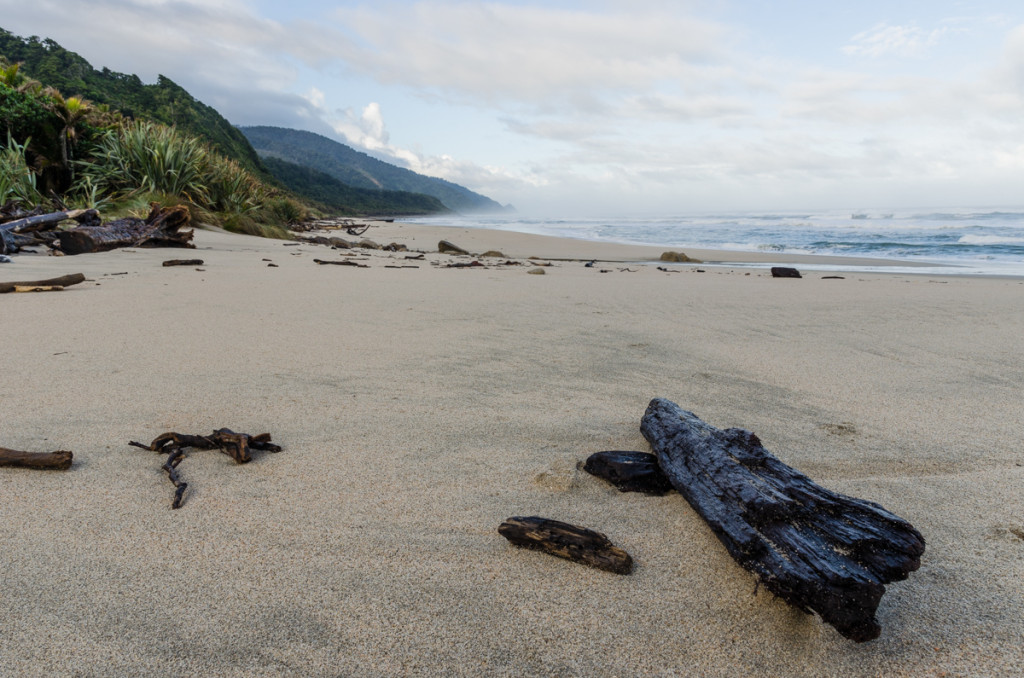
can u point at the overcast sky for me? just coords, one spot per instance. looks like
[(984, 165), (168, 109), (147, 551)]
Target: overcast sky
[(607, 106)]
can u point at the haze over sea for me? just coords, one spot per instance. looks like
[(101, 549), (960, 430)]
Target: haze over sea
[(986, 241)]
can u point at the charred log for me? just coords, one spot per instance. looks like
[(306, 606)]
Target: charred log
[(818, 550), (567, 541)]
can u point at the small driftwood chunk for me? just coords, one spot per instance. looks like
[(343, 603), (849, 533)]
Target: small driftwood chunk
[(629, 471), (567, 541), (235, 445), (183, 262), (783, 272), (60, 282), (818, 550), (342, 263), (60, 460)]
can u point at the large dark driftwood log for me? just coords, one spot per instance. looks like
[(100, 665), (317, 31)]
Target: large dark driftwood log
[(62, 281), (629, 471), (164, 227), (566, 541), (60, 460), (816, 549), (235, 445)]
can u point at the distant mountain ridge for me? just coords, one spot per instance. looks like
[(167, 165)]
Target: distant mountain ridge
[(358, 169), (341, 198)]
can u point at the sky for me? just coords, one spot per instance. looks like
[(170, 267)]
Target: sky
[(607, 107)]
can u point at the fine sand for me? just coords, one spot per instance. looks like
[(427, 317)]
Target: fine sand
[(420, 407)]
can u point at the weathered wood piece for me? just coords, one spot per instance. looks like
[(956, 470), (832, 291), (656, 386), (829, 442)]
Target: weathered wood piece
[(463, 264), (629, 471), (183, 262), (41, 221), (60, 460), (342, 263), (164, 227), (566, 541), (784, 272), (818, 550), (61, 281), (235, 445)]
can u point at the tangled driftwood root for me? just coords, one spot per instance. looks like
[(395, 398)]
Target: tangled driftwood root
[(235, 445)]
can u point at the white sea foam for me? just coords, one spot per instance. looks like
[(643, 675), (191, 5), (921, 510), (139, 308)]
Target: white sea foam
[(975, 240)]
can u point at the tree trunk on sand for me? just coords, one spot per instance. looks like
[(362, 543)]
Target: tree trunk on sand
[(162, 228), (818, 550)]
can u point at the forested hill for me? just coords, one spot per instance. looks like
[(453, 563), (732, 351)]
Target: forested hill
[(359, 169), (164, 102), (341, 198)]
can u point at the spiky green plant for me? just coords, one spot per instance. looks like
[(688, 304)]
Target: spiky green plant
[(232, 189), (150, 157), (17, 179)]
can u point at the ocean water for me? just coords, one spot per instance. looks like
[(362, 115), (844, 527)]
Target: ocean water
[(967, 241)]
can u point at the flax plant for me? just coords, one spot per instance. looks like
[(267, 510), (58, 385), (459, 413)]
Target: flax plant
[(147, 157), (17, 179)]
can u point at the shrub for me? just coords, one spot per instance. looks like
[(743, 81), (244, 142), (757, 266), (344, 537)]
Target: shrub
[(17, 179)]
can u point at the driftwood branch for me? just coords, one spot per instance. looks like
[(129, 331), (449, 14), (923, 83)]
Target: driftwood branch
[(235, 445), (818, 550), (59, 282), (60, 460), (164, 227), (41, 221), (566, 541), (344, 262)]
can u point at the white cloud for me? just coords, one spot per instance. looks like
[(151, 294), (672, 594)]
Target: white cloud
[(885, 40), (637, 96), (525, 52)]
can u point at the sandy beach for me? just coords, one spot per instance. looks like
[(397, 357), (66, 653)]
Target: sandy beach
[(419, 407)]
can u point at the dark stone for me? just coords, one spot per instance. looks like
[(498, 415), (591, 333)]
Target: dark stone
[(446, 247), (783, 272)]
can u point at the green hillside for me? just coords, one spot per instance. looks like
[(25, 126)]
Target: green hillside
[(341, 198), (359, 169), (44, 76), (164, 102)]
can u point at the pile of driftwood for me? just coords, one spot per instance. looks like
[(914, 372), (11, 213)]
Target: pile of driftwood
[(164, 227), (818, 550)]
